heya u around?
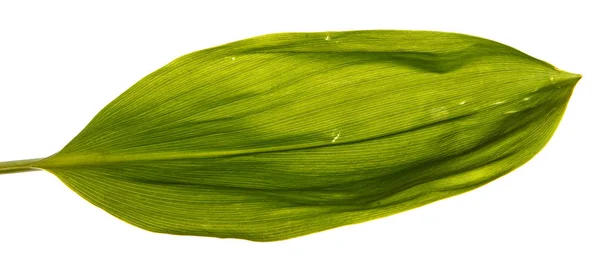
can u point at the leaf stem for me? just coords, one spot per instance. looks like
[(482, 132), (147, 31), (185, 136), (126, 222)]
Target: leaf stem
[(18, 166)]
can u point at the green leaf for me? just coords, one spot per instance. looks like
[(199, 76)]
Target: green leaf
[(283, 135)]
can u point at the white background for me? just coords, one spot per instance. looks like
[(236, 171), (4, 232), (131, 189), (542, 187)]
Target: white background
[(62, 61)]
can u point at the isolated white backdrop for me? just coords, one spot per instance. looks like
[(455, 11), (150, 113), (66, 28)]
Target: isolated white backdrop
[(62, 61)]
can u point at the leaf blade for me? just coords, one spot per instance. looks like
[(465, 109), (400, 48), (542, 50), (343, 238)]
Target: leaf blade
[(330, 125)]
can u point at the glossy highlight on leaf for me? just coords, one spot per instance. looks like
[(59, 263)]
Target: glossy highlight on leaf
[(288, 134)]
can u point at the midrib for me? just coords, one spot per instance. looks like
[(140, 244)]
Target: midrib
[(65, 160), (61, 161)]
